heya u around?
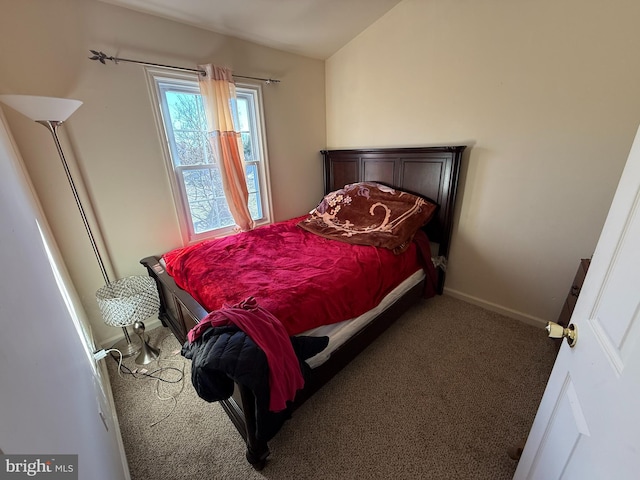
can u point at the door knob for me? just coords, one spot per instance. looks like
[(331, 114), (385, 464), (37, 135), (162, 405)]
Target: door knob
[(558, 331)]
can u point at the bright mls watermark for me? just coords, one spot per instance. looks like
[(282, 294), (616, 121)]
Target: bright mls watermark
[(50, 467)]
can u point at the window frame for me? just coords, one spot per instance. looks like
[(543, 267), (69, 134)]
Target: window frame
[(156, 76)]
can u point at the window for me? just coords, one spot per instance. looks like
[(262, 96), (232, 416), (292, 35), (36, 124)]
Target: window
[(195, 176)]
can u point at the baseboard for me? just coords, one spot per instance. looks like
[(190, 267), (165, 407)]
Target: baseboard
[(106, 386), (507, 312), (116, 337)]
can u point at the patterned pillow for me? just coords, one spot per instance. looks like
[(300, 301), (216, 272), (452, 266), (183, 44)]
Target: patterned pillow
[(370, 213)]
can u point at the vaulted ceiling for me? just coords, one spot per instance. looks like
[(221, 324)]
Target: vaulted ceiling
[(313, 28)]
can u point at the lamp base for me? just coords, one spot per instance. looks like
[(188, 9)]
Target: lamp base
[(128, 346), (147, 354)]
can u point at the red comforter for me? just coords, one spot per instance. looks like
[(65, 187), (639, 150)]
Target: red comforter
[(303, 279)]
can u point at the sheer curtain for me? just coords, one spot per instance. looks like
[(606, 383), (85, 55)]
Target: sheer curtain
[(219, 95)]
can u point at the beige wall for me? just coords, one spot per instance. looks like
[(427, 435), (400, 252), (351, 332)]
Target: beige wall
[(44, 49), (544, 93)]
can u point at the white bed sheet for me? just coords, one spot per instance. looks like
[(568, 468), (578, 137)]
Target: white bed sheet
[(339, 333)]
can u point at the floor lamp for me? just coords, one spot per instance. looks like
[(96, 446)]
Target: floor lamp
[(130, 299)]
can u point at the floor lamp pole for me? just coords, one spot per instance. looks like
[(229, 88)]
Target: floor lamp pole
[(129, 348), (53, 127)]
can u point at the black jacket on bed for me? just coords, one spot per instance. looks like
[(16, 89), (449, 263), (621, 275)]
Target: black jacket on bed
[(224, 355)]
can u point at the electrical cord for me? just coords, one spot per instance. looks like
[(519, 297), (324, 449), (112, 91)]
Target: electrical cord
[(122, 368), (103, 353), (157, 375), (137, 374), (173, 397)]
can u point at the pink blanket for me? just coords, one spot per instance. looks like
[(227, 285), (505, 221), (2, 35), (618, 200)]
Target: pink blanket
[(303, 279)]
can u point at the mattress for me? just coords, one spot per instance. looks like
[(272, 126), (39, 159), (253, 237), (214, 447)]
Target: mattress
[(340, 332)]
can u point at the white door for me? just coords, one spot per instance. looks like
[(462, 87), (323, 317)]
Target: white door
[(588, 423)]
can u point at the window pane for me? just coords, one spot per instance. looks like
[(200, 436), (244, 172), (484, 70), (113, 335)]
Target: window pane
[(187, 110), (246, 126), (187, 128), (243, 114), (247, 146), (207, 207), (190, 147), (253, 185)]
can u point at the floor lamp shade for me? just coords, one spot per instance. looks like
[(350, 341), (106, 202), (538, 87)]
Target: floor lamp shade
[(128, 300), (42, 108)]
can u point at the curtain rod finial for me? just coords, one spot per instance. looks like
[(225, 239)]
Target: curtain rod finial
[(101, 57)]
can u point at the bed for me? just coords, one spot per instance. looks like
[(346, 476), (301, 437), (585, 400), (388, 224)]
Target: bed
[(428, 172)]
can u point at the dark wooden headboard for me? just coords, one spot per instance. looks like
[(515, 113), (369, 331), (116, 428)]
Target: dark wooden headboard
[(432, 172)]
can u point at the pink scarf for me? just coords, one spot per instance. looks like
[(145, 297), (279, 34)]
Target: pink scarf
[(285, 377)]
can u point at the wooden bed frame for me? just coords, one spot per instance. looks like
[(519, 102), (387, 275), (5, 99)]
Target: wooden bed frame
[(429, 171)]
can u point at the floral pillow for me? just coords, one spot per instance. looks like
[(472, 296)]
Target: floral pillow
[(370, 213)]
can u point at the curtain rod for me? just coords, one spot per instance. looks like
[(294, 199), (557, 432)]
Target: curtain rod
[(101, 57)]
